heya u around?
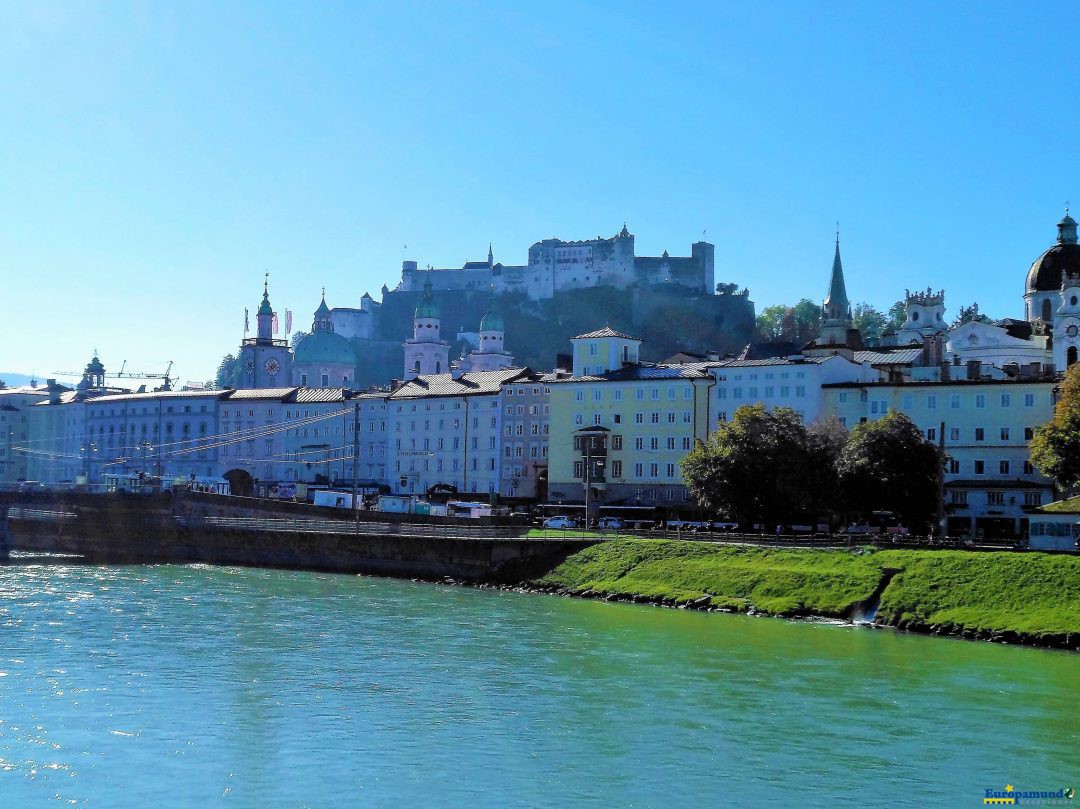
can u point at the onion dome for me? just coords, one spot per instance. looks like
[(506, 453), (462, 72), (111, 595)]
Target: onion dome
[(492, 320), (1062, 259), (325, 348), (427, 306)]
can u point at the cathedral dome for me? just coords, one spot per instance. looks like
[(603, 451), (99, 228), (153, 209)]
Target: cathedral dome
[(492, 320), (325, 348), (427, 306), (1063, 258)]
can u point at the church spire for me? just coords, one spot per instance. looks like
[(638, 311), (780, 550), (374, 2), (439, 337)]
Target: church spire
[(1067, 228), (836, 304), (491, 256)]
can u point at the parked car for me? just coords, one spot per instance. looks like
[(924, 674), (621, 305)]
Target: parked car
[(560, 522), (609, 523), (722, 525), (860, 529), (688, 525)]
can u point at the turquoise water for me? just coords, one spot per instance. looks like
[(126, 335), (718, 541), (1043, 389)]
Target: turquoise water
[(197, 686)]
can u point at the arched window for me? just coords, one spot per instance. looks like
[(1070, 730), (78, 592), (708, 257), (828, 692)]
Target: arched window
[(1046, 310), (438, 367), (417, 366), (1070, 356)]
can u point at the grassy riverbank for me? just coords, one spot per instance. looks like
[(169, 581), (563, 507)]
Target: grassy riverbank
[(1031, 596)]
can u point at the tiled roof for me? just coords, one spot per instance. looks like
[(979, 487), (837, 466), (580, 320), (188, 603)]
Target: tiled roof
[(259, 393), (466, 385), (316, 395), (607, 331), (771, 361), (904, 356), (638, 372), (165, 394)]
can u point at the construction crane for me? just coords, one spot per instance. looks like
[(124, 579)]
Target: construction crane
[(166, 378)]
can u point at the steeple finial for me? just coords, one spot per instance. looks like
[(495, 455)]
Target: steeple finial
[(837, 232), (324, 293), (266, 285)]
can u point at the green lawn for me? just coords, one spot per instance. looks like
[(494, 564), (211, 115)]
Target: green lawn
[(1029, 592)]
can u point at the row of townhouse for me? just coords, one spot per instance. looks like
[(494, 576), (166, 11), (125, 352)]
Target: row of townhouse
[(624, 426), (985, 426), (15, 404), (478, 432), (483, 432)]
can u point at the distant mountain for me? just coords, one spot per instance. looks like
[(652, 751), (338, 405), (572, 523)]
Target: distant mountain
[(14, 380)]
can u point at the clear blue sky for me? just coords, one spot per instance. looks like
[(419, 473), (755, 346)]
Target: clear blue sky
[(157, 158)]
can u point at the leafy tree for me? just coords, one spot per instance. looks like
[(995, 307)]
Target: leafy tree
[(769, 323), (869, 321), (799, 323), (727, 289), (970, 314), (807, 319), (825, 441), (753, 468), (888, 464), (896, 316), (1055, 449), (228, 373)]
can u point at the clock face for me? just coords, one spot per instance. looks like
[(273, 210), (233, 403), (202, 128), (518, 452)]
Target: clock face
[(249, 366), (272, 366), (1072, 330)]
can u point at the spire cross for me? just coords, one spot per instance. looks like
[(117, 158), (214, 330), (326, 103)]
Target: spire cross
[(838, 231), (1066, 207), (266, 283)]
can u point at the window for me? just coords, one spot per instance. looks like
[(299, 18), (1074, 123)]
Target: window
[(616, 469), (909, 401), (800, 391), (655, 419), (980, 400), (687, 442), (954, 466), (958, 498), (931, 402), (931, 434), (637, 470), (671, 417), (598, 395), (639, 393), (1029, 468), (1029, 433), (639, 443), (671, 442), (617, 395), (654, 470), (1003, 467), (1032, 498), (721, 393), (1004, 433), (616, 418), (616, 442), (842, 397), (954, 401), (654, 443), (1006, 400), (596, 419), (954, 433), (980, 468), (579, 469), (687, 417), (995, 498), (669, 470), (579, 396), (980, 434), (1029, 400), (639, 418), (579, 419)]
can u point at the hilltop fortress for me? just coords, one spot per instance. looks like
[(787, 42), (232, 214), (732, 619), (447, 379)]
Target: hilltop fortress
[(558, 266)]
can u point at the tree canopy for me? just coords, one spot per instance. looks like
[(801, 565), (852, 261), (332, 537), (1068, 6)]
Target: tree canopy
[(970, 314), (754, 468), (1055, 449), (889, 465), (799, 323), (228, 373)]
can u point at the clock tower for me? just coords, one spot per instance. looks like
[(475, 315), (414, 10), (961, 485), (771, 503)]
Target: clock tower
[(264, 361)]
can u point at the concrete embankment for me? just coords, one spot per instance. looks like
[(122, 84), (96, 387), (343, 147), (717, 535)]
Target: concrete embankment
[(232, 531), (1027, 598)]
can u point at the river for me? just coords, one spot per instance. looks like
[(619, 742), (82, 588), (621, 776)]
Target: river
[(199, 686)]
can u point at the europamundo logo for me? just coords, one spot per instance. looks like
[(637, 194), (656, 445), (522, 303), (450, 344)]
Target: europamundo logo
[(1012, 796)]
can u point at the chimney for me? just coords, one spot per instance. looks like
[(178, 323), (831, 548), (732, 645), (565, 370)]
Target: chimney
[(54, 391)]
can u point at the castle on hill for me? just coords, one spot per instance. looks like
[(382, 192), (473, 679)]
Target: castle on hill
[(557, 266)]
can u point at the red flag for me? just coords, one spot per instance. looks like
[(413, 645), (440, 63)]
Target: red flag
[(275, 323)]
